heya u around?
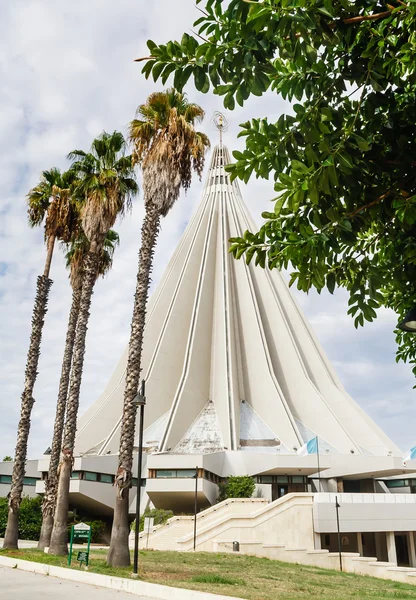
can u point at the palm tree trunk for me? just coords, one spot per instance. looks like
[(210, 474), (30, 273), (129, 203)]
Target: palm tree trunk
[(59, 536), (119, 555), (49, 254), (51, 483), (15, 495)]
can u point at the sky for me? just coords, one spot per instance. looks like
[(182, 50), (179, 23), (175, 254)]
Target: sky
[(67, 73)]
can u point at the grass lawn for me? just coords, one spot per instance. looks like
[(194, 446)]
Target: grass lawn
[(242, 576)]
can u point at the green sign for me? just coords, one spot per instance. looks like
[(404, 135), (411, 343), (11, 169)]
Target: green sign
[(83, 557), (81, 533)]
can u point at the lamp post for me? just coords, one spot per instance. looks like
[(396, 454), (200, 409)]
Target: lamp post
[(140, 400), (195, 505), (409, 322), (338, 506)]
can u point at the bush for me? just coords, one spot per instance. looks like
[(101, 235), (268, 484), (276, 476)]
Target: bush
[(241, 486), (97, 530), (30, 517), (159, 514)]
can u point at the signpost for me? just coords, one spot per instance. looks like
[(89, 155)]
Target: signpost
[(148, 525), (80, 533)]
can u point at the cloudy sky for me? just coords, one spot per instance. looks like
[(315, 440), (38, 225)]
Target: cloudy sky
[(67, 73)]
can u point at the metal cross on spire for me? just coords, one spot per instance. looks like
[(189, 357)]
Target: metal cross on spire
[(220, 123)]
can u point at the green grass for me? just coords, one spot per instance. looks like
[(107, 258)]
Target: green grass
[(245, 577)]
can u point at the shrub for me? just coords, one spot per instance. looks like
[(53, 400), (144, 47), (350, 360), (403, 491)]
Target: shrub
[(30, 517), (97, 529), (236, 486), (159, 514)]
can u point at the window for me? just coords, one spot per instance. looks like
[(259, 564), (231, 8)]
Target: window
[(221, 178), (298, 479), (186, 473), (76, 475), (282, 479), (160, 473), (105, 478), (90, 476), (29, 481), (266, 478), (5, 478), (134, 482), (394, 483)]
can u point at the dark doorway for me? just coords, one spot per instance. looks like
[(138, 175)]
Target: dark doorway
[(279, 490), (402, 550)]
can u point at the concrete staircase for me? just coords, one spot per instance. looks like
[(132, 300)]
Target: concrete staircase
[(168, 536), (280, 530)]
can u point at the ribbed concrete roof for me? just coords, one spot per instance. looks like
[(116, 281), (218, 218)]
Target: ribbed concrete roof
[(223, 332)]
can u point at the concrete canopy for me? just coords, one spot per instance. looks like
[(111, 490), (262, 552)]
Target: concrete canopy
[(230, 361)]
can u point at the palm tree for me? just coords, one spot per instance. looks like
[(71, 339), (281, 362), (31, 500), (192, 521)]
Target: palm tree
[(168, 148), (105, 187), (50, 202), (74, 261)]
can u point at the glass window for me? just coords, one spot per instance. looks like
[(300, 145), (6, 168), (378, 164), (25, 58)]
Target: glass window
[(185, 473), (5, 478), (298, 479), (90, 476), (76, 475), (105, 478), (282, 479), (160, 473), (266, 478), (395, 483), (29, 481)]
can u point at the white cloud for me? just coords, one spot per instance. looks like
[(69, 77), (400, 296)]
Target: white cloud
[(67, 73)]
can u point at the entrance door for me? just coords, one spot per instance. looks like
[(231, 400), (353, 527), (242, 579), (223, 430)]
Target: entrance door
[(279, 490), (402, 550)]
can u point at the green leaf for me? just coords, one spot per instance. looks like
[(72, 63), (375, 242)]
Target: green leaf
[(330, 282)]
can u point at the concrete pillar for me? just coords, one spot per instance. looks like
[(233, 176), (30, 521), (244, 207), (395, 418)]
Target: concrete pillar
[(360, 544), (317, 541), (412, 548), (391, 547)]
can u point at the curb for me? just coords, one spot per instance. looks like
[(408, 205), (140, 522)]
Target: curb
[(131, 586)]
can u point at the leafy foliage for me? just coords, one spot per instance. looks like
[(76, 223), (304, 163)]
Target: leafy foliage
[(105, 184), (7, 458), (51, 201), (97, 530), (30, 517), (343, 164), (159, 515), (236, 486), (167, 146)]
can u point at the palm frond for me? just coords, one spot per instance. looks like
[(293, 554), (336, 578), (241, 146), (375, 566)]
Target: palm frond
[(167, 145), (106, 184)]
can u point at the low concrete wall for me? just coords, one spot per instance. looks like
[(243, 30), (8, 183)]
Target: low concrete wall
[(286, 521)]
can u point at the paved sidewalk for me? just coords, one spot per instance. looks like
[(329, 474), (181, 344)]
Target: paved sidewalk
[(21, 585)]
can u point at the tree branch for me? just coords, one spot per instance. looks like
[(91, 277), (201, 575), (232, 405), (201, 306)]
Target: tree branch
[(144, 58), (353, 20), (369, 205)]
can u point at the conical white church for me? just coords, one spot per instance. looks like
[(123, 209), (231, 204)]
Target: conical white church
[(236, 381)]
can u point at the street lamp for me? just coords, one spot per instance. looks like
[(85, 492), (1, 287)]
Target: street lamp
[(140, 400), (195, 505), (337, 507), (409, 322)]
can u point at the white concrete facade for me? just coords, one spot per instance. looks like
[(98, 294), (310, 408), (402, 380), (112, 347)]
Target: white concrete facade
[(236, 381), (230, 362)]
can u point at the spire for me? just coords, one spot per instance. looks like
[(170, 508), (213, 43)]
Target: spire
[(220, 123)]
